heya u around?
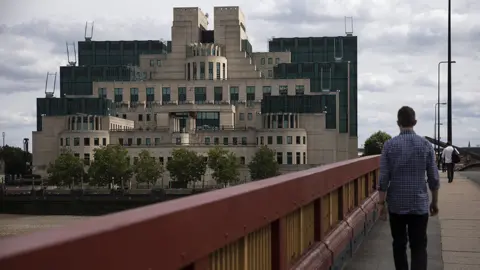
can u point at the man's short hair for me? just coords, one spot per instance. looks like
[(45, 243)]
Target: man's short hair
[(406, 117)]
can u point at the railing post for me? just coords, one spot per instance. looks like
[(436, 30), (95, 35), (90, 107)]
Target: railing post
[(341, 204), (318, 214), (279, 260)]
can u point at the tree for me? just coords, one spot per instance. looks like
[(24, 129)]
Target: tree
[(224, 164), (263, 164), (374, 144), (15, 160), (111, 165), (66, 170), (186, 166), (147, 170)]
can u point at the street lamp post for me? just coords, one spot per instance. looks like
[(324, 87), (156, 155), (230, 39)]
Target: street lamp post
[(438, 95), (435, 134), (449, 86)]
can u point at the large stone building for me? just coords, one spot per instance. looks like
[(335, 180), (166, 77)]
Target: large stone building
[(202, 88)]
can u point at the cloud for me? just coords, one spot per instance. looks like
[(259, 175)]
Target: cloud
[(399, 46)]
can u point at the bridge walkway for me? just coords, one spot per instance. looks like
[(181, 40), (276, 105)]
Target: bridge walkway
[(454, 235)]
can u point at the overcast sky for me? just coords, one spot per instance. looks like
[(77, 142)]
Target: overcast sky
[(400, 44)]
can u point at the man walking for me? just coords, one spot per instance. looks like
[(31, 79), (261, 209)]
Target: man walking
[(404, 161), (448, 159)]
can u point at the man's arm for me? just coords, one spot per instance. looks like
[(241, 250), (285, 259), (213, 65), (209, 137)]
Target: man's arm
[(384, 174), (433, 178), (443, 153)]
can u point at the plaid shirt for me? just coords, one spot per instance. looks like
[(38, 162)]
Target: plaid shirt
[(404, 161)]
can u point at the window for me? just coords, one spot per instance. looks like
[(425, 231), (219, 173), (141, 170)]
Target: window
[(134, 94), (261, 140), (140, 117), (118, 94), (289, 158), (241, 117), (262, 61), (129, 141), (77, 155), (202, 70), (234, 94), (218, 94), (178, 141), (86, 141), (86, 159), (270, 73), (150, 94), (200, 95), (188, 71), (250, 116), (159, 63), (283, 90), (216, 141), (298, 158), (120, 141), (279, 140), (152, 62), (148, 141), (235, 140), (218, 71), (304, 140), (270, 140), (207, 140), (182, 95), (96, 141), (194, 72), (225, 140), (210, 70), (61, 141), (139, 141), (223, 71), (304, 158), (244, 140), (149, 117), (270, 61), (299, 90), (165, 95), (157, 141), (242, 160), (277, 61), (124, 116), (298, 140), (161, 160), (289, 139), (102, 92), (267, 90), (67, 141), (250, 95), (279, 157), (135, 160)]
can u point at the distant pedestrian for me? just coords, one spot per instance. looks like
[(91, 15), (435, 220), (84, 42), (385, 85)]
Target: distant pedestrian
[(450, 155), (404, 161)]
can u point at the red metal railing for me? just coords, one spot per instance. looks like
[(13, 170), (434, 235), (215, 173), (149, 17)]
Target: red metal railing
[(305, 220)]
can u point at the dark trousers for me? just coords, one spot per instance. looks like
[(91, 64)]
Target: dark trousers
[(450, 171), (416, 227)]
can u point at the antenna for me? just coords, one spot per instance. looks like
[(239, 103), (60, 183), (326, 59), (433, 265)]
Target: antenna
[(3, 139), (89, 34), (72, 45), (348, 30), (49, 94)]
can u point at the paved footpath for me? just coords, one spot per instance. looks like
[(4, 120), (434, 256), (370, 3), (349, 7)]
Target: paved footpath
[(453, 236)]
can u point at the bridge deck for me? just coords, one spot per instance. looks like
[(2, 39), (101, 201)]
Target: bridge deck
[(454, 236)]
